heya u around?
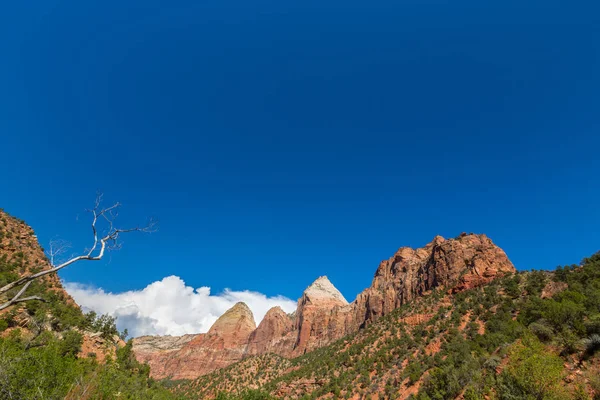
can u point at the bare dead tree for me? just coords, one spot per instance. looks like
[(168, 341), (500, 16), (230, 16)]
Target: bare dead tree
[(56, 250), (105, 239)]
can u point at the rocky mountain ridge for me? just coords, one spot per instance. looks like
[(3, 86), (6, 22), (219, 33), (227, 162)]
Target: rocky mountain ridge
[(323, 314)]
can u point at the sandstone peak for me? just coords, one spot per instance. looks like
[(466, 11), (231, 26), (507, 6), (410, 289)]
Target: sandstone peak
[(323, 289), (238, 318), (275, 311), (240, 306)]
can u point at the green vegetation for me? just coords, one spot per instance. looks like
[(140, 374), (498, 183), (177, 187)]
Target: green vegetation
[(532, 372), (40, 344), (546, 334), (53, 371), (502, 341)]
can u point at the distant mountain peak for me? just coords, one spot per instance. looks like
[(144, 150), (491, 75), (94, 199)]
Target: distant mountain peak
[(323, 289)]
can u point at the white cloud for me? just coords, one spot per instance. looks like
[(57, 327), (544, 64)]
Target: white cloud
[(169, 307)]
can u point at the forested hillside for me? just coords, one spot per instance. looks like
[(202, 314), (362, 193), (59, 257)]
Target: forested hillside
[(532, 335)]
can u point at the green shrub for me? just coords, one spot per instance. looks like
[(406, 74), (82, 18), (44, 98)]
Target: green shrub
[(71, 343), (543, 332), (535, 371)]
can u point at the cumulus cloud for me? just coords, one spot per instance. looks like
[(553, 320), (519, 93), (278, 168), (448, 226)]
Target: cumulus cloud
[(170, 307)]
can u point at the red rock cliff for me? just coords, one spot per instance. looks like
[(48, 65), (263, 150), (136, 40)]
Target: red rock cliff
[(224, 344)]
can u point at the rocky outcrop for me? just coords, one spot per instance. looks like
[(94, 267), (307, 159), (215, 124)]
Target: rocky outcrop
[(316, 323), (235, 326), (323, 314), (196, 355), (455, 264), (273, 335), (158, 350), (552, 288), (94, 345), (19, 246)]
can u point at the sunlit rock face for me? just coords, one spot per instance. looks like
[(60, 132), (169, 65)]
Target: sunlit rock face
[(196, 355)]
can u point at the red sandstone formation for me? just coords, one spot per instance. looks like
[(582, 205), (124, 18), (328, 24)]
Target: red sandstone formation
[(224, 344), (273, 335), (323, 315), (316, 324)]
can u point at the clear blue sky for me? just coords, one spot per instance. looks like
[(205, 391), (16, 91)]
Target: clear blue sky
[(277, 141)]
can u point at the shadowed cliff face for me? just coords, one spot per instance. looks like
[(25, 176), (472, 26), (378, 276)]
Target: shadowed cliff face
[(323, 314)]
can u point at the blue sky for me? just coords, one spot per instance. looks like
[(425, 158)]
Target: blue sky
[(279, 141)]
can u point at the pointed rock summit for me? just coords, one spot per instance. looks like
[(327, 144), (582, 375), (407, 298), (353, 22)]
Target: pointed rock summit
[(224, 344), (314, 312), (323, 289), (235, 325)]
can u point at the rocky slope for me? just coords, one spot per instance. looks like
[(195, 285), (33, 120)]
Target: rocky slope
[(323, 314), (19, 246), (21, 254), (487, 342)]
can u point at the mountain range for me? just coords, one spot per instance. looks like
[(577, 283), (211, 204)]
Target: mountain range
[(323, 315)]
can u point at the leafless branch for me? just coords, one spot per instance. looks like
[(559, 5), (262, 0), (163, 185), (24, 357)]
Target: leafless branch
[(56, 250), (18, 299), (104, 240)]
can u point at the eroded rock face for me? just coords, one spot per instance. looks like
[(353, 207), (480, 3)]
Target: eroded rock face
[(273, 334), (314, 315), (323, 314), (456, 264), (235, 326), (196, 355), (157, 350)]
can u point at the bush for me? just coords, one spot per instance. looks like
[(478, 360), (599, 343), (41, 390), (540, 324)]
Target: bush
[(542, 331), (103, 323), (533, 370), (71, 344)]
